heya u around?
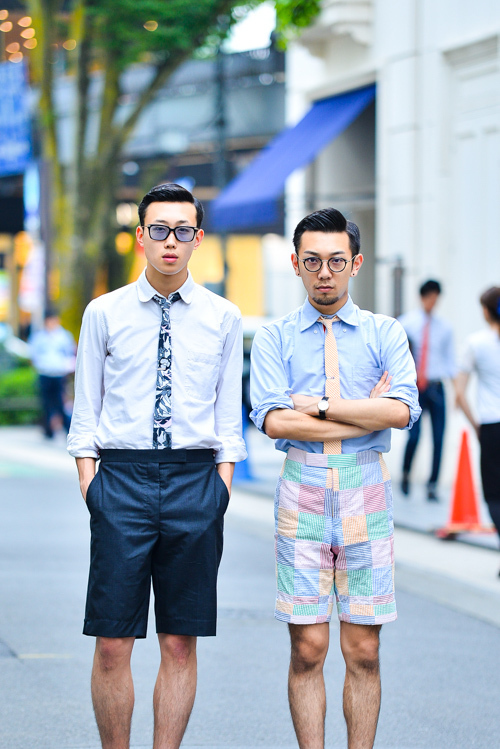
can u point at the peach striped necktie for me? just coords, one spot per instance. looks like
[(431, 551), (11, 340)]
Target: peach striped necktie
[(332, 384)]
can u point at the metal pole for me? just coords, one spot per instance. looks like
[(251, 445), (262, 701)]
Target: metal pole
[(397, 275), (220, 164)]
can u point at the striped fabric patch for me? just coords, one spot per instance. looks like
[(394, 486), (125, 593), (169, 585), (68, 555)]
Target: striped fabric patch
[(334, 539)]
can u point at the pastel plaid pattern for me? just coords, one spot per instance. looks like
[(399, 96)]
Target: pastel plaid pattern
[(334, 539)]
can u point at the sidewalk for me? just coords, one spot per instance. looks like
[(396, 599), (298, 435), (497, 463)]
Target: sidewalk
[(463, 576)]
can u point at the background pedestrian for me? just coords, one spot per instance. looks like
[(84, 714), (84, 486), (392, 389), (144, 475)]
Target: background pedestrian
[(52, 352), (431, 343), (481, 356)]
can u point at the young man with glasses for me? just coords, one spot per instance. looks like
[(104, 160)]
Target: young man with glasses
[(328, 381), (158, 401)]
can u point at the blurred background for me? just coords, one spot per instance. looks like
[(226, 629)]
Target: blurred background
[(389, 111)]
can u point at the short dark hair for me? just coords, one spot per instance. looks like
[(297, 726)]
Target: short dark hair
[(430, 287), (170, 193), (50, 312), (329, 221), (491, 300)]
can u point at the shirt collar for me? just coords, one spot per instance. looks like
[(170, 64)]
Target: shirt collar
[(145, 291), (309, 314)]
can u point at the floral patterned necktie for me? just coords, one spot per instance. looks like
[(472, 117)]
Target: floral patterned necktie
[(162, 421)]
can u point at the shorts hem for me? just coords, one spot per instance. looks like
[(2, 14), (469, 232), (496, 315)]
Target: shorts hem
[(111, 628), (204, 628), (291, 619), (369, 620)]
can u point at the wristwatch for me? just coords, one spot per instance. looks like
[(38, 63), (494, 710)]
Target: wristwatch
[(323, 407)]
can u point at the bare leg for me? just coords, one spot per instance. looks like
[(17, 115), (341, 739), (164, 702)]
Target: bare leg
[(113, 690), (360, 645), (306, 686), (175, 689)]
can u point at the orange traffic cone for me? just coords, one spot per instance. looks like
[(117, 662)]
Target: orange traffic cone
[(464, 515)]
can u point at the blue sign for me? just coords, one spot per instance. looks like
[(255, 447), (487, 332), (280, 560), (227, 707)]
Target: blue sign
[(15, 142)]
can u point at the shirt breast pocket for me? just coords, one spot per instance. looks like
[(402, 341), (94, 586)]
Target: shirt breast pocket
[(364, 380), (202, 373)]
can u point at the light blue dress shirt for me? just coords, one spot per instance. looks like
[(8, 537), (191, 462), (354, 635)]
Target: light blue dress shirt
[(441, 354), (288, 356)]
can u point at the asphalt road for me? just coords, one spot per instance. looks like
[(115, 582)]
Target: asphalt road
[(439, 667)]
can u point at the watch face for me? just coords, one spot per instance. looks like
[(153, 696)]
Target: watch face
[(323, 405)]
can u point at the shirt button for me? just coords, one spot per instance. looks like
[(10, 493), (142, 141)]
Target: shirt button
[(315, 331), (343, 330)]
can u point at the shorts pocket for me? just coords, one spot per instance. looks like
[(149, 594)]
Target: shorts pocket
[(90, 491), (223, 498), (202, 373)]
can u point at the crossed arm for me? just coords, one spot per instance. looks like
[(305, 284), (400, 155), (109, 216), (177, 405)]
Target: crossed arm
[(345, 419)]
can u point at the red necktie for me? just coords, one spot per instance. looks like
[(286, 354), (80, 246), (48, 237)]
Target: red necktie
[(422, 380)]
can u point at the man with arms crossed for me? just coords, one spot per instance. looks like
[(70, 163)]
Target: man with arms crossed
[(328, 382), (158, 400)]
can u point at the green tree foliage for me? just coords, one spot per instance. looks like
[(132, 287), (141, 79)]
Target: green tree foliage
[(106, 37), (293, 17)]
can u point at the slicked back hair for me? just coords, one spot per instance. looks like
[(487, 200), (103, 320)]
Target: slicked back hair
[(170, 193), (329, 221)]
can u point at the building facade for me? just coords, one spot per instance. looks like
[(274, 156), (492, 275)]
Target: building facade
[(419, 170)]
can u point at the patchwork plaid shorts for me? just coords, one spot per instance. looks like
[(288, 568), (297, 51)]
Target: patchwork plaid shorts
[(334, 539)]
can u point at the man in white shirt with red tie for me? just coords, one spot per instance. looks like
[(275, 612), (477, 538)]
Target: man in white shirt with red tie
[(158, 402), (431, 343)]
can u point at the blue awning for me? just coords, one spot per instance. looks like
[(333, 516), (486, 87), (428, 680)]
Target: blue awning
[(250, 199)]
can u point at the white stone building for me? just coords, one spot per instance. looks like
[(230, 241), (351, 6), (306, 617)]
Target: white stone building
[(419, 169)]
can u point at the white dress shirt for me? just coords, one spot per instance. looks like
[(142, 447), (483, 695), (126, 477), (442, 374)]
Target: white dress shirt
[(481, 355), (116, 365), (441, 354)]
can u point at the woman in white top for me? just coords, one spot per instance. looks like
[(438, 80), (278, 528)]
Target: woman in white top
[(482, 356)]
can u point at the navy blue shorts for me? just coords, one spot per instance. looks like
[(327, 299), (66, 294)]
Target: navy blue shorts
[(156, 515)]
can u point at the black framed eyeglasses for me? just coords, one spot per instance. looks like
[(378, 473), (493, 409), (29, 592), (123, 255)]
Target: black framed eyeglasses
[(315, 264), (159, 232)]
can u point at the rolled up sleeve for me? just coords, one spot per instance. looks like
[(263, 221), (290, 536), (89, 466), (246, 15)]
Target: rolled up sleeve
[(269, 388), (398, 361), (228, 397), (89, 386)]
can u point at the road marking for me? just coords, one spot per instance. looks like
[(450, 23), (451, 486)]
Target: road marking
[(43, 656)]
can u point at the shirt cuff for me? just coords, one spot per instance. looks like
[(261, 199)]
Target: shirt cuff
[(231, 453), (259, 413), (415, 409), (82, 446)]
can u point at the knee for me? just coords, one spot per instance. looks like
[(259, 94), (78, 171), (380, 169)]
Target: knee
[(362, 654), (112, 653), (177, 649), (309, 650)]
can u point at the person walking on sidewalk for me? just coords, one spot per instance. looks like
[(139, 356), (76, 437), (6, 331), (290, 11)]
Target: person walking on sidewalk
[(328, 381), (52, 352), (481, 356), (431, 343), (158, 401)]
